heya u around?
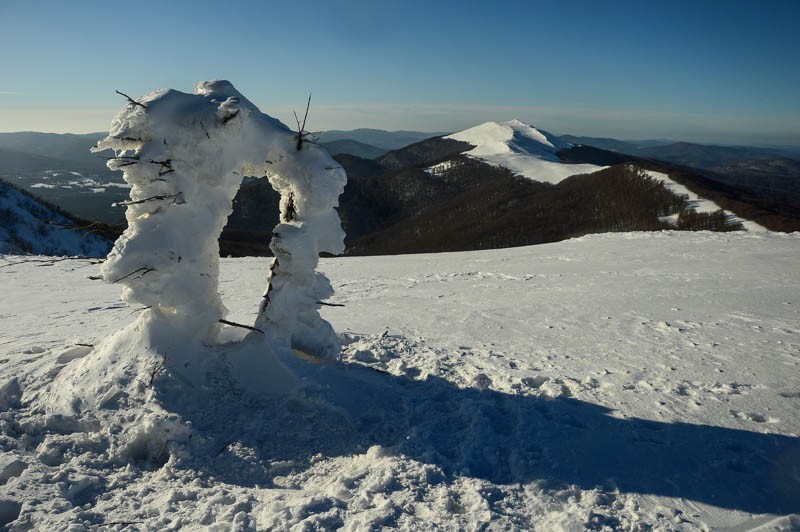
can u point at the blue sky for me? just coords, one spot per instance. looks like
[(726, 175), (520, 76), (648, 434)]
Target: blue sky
[(712, 71)]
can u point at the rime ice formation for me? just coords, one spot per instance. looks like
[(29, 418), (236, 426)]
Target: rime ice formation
[(184, 156)]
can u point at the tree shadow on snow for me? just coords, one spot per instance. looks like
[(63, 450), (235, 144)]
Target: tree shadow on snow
[(494, 436)]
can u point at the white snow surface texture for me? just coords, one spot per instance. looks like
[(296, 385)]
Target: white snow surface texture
[(523, 149), (629, 381)]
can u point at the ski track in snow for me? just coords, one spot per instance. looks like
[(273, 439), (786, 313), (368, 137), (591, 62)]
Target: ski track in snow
[(630, 381)]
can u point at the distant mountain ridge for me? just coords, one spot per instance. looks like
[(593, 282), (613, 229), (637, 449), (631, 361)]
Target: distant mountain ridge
[(353, 147), (457, 192), (386, 140), (703, 156), (65, 146)]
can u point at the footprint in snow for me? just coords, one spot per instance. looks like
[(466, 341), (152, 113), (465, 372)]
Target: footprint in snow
[(73, 353), (753, 416)]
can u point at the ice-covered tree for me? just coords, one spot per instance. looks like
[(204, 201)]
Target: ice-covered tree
[(184, 156)]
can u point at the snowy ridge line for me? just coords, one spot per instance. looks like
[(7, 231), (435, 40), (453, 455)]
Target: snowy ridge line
[(698, 204)]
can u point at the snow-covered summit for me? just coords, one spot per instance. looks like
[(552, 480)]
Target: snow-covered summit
[(521, 148), (513, 136)]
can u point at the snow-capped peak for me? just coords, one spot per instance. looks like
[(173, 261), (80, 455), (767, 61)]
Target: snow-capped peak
[(522, 148), (513, 136)]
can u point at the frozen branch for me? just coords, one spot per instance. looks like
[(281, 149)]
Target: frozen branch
[(234, 324), (131, 100), (177, 199)]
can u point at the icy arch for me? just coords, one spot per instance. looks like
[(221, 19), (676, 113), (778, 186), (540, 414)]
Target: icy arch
[(184, 156)]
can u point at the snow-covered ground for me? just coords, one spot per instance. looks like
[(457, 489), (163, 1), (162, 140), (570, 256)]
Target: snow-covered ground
[(629, 381), (28, 226), (521, 148), (697, 203)]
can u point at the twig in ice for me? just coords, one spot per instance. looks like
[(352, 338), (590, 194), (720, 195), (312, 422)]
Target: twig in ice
[(166, 166), (234, 324), (301, 134), (177, 199), (144, 269)]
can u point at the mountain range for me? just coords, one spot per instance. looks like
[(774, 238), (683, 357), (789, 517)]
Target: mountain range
[(497, 184)]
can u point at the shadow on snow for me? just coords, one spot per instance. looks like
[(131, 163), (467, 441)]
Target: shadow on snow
[(494, 436)]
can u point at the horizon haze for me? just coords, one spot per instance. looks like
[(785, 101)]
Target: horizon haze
[(714, 72)]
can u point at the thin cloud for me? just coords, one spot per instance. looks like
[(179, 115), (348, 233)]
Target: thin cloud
[(9, 93)]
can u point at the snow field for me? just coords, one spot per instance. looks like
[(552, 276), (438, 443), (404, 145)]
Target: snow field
[(626, 381)]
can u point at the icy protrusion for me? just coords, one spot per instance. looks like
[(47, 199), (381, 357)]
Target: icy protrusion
[(184, 156)]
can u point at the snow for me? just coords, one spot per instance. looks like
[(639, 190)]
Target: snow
[(523, 149), (141, 388), (184, 156), (697, 203), (93, 184), (625, 381), (28, 226)]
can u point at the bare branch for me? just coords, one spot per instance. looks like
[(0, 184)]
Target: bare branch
[(308, 106), (118, 157), (155, 369), (177, 199), (144, 269), (301, 134), (329, 304), (234, 324), (94, 227), (47, 262), (131, 100), (166, 166)]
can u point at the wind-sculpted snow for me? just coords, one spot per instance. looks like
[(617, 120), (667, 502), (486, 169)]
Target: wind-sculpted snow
[(184, 156), (626, 381)]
